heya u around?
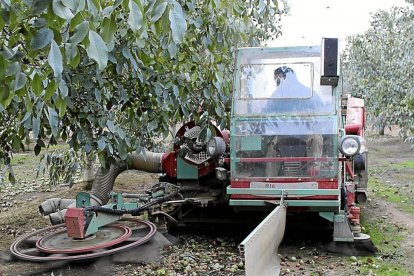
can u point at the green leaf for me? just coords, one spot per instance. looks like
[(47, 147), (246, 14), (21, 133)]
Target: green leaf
[(4, 93), (74, 56), (121, 133), (63, 88), (178, 24), (28, 102), (108, 29), (176, 91), (71, 4), (135, 18), (61, 10), (158, 12), (39, 6), (2, 23), (206, 93), (50, 90), (55, 59), (219, 111), (101, 143), (37, 85), (17, 143), (35, 127), (41, 39), (102, 159), (81, 6), (26, 117), (81, 30), (172, 49), (74, 61), (110, 125), (53, 121), (70, 52), (37, 149), (61, 104), (12, 69), (97, 50), (19, 82), (92, 8), (98, 95), (122, 150), (39, 23)]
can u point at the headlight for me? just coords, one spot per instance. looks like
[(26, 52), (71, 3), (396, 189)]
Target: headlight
[(216, 147), (350, 145)]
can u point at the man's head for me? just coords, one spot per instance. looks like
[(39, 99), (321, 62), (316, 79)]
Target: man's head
[(280, 74)]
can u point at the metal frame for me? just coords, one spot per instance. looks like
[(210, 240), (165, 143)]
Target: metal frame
[(94, 220)]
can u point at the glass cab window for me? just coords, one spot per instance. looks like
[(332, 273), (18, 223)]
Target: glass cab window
[(284, 123), (281, 83), (277, 81)]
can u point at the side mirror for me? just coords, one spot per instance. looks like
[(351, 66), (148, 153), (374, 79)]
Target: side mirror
[(330, 57)]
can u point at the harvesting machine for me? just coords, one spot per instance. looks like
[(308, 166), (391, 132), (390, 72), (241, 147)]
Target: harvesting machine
[(296, 145)]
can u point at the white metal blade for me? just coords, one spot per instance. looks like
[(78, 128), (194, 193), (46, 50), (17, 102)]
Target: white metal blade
[(261, 245)]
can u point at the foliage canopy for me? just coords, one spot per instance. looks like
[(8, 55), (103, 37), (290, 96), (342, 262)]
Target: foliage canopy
[(106, 76), (378, 66)]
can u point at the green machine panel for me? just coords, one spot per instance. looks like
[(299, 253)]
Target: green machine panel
[(185, 170), (251, 143)]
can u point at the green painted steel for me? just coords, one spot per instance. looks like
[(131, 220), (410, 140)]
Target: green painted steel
[(118, 200), (340, 217), (332, 217), (103, 219), (327, 215), (185, 170), (83, 200), (313, 203), (251, 143), (100, 220), (290, 192)]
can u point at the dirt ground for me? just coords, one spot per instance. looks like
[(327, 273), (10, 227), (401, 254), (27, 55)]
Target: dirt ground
[(387, 217)]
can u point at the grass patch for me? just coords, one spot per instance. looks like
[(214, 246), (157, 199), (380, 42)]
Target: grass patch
[(400, 196), (25, 164), (388, 239), (22, 158), (386, 236), (404, 165)]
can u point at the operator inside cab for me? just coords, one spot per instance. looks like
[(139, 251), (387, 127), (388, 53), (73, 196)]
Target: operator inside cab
[(288, 86)]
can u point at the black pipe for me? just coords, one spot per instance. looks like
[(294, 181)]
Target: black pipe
[(134, 212)]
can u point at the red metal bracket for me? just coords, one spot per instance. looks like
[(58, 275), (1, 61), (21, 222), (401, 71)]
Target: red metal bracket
[(349, 170), (75, 223)]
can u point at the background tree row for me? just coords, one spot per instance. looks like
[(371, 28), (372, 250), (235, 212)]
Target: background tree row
[(378, 66)]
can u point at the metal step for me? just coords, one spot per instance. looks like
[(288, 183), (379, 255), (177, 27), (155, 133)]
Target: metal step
[(342, 231)]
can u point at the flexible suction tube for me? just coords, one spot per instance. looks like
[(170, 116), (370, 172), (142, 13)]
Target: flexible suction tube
[(104, 180), (59, 216), (54, 204)]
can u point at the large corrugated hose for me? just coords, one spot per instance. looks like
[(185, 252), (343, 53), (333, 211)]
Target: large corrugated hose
[(104, 180)]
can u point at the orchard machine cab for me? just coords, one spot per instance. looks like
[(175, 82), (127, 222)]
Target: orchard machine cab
[(295, 144)]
